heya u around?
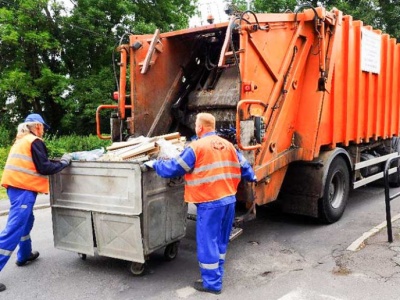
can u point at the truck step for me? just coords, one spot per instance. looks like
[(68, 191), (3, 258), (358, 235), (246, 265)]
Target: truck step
[(235, 233)]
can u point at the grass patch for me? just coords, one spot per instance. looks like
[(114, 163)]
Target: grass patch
[(3, 158), (3, 191)]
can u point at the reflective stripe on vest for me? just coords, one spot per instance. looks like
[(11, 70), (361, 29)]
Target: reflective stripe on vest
[(216, 173), (23, 170), (20, 170), (213, 178)]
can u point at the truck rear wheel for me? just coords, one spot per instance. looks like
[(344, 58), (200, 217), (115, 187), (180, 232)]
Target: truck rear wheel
[(336, 192), (394, 179)]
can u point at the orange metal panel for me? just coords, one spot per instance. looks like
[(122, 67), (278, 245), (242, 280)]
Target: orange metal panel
[(363, 104), (151, 91), (392, 85), (359, 96), (395, 91), (350, 87)]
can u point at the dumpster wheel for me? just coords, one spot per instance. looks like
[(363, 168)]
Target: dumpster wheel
[(171, 251), (82, 256), (136, 268)]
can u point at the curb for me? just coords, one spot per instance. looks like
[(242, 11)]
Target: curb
[(358, 243), (39, 206)]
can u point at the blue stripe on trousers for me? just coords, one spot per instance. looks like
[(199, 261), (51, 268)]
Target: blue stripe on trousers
[(213, 228), (19, 223)]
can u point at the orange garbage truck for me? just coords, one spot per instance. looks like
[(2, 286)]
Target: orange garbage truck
[(310, 97)]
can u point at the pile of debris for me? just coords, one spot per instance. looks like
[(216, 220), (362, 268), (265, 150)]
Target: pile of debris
[(142, 148)]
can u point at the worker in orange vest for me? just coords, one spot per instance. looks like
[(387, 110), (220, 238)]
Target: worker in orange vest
[(213, 169), (24, 176)]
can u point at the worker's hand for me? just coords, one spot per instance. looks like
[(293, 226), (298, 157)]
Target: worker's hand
[(66, 159), (150, 163), (254, 179)]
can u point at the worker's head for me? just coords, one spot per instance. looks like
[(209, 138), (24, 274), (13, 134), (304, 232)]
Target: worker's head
[(33, 123), (205, 123)]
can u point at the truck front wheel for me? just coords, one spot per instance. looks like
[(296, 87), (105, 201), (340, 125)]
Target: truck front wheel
[(336, 192)]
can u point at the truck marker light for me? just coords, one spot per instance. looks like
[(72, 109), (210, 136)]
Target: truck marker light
[(247, 87), (115, 96)]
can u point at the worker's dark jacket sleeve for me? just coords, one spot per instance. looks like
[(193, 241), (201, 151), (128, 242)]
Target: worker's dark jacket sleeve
[(42, 163)]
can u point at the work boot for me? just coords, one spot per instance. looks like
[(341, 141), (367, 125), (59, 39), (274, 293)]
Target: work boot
[(31, 257), (198, 285), (2, 287)]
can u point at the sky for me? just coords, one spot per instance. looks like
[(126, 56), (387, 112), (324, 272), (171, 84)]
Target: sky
[(206, 7)]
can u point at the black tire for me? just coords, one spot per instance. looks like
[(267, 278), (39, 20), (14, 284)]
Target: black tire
[(171, 251), (394, 179), (82, 256), (336, 192)]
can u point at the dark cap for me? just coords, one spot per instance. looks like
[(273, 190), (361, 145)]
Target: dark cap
[(36, 118)]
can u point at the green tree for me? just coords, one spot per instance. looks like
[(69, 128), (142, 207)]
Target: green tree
[(60, 63), (381, 14), (275, 5), (32, 77)]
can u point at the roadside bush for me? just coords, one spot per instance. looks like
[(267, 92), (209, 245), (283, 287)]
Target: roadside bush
[(3, 156), (6, 136), (57, 146)]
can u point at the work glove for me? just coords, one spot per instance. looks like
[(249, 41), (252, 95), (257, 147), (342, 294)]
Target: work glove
[(66, 159), (150, 163), (254, 179)]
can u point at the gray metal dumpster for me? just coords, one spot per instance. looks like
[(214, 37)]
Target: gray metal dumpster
[(119, 209)]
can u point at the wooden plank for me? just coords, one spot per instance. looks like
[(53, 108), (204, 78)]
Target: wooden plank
[(118, 145), (139, 150), (142, 139), (170, 136), (138, 158)]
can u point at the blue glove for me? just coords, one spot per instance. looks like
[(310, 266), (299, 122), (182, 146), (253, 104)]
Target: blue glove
[(150, 163)]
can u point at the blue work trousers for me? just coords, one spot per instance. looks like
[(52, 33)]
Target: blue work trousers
[(213, 228), (18, 227)]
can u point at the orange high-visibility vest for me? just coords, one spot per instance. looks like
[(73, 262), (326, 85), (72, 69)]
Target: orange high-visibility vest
[(216, 172), (20, 171)]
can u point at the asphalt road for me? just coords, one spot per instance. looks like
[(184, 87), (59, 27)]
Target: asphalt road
[(278, 256)]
